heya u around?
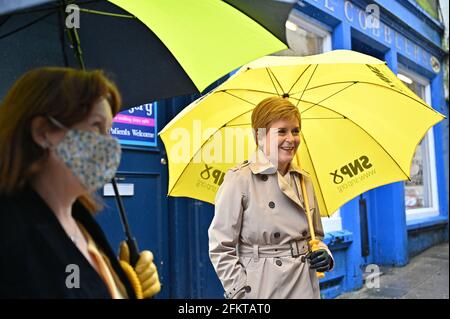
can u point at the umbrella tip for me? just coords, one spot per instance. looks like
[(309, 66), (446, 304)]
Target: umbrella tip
[(285, 95)]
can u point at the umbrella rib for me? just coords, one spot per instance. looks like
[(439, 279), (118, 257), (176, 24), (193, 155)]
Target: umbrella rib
[(184, 169), (370, 135), (238, 97), (4, 21), (399, 92), (248, 90), (308, 118), (303, 119), (26, 25), (199, 149), (317, 104), (307, 84), (344, 116), (223, 91), (237, 125), (273, 74), (298, 79), (274, 86), (324, 118), (375, 84), (327, 84), (314, 168), (327, 97), (107, 13)]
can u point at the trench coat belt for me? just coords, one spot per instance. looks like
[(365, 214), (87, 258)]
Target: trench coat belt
[(294, 248)]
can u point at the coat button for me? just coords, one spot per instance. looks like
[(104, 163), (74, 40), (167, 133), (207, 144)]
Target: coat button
[(248, 289), (276, 235), (278, 262), (264, 177), (304, 233), (272, 205)]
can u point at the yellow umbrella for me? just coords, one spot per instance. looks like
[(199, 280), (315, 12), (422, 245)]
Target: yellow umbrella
[(360, 125)]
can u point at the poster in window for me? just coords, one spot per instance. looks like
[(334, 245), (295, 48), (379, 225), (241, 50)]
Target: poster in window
[(136, 126)]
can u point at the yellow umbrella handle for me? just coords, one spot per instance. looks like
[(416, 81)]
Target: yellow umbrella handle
[(313, 243)]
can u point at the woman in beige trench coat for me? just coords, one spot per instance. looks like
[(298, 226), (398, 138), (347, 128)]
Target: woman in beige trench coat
[(258, 238)]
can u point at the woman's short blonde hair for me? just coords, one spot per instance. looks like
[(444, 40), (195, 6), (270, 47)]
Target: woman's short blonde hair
[(272, 109)]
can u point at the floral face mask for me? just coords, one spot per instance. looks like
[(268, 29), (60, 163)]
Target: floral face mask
[(92, 157)]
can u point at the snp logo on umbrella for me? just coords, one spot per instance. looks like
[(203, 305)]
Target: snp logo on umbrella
[(211, 178), (353, 173)]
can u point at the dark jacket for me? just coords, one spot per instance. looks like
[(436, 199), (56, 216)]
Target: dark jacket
[(35, 252)]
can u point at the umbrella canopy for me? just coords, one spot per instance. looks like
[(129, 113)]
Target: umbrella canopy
[(360, 125), (153, 49)]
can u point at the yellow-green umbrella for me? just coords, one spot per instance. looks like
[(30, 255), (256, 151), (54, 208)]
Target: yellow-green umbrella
[(360, 125), (154, 49)]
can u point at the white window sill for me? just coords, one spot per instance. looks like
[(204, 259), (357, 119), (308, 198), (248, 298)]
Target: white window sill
[(419, 223), (421, 213)]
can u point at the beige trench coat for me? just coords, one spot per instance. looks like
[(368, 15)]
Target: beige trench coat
[(255, 207)]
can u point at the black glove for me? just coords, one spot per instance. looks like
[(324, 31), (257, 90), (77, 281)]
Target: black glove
[(320, 260)]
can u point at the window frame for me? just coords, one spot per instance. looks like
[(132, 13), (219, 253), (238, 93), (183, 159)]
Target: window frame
[(433, 210), (313, 26)]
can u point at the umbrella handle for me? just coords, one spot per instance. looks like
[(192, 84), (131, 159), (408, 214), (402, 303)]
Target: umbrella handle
[(314, 243), (131, 241), (134, 251), (315, 246)]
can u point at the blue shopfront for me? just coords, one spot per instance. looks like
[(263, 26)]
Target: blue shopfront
[(385, 226)]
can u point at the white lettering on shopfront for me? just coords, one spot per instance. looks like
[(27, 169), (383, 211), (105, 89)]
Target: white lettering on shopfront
[(362, 19), (328, 5), (348, 11), (407, 42), (370, 19), (397, 42), (387, 34)]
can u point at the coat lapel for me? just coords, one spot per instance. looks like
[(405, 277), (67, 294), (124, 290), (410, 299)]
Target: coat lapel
[(289, 191), (260, 164), (298, 174)]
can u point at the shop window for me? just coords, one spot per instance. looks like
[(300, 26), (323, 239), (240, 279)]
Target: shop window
[(421, 196), (305, 36)]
